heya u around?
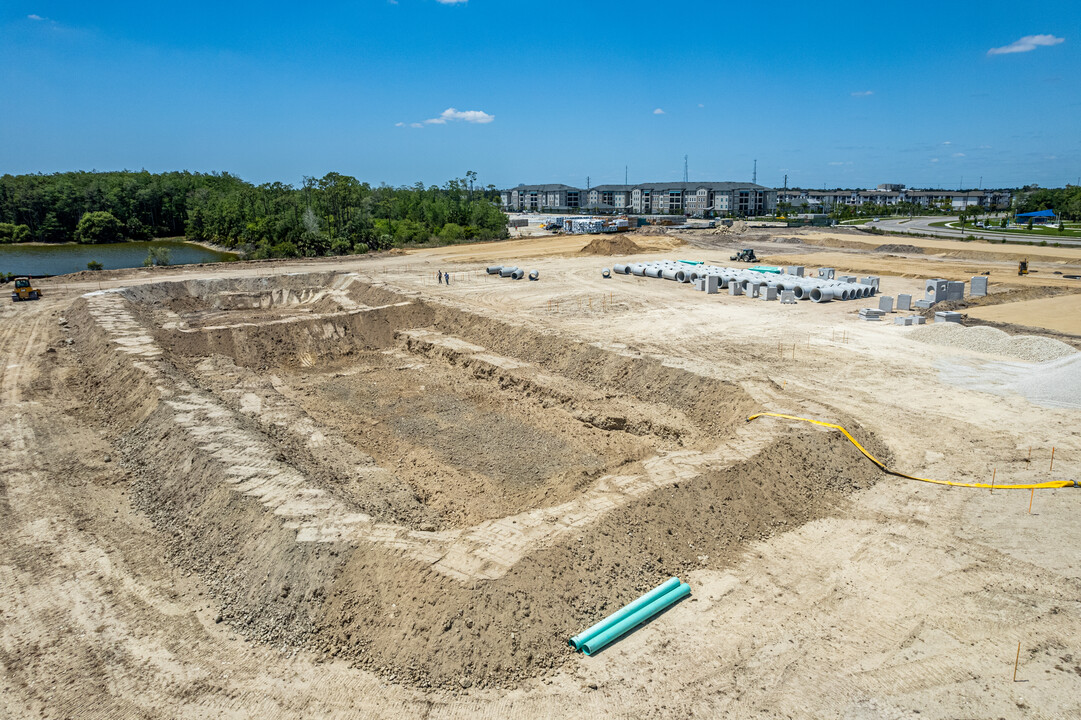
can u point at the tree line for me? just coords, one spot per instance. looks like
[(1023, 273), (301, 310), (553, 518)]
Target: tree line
[(334, 214), (1066, 202)]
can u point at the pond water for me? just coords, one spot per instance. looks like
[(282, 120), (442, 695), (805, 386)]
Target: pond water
[(69, 257)]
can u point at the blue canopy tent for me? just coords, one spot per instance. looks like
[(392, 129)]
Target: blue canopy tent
[(1040, 216)]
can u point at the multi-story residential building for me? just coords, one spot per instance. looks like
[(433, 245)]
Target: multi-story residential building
[(615, 198), (697, 198), (542, 197), (891, 194)]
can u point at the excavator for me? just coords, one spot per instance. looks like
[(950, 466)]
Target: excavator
[(24, 290), (1022, 267)]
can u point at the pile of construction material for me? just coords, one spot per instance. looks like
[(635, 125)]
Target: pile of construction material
[(514, 273), (767, 283), (591, 225)]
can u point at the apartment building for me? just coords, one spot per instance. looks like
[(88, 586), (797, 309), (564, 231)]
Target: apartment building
[(890, 195), (616, 198), (696, 198), (541, 197)]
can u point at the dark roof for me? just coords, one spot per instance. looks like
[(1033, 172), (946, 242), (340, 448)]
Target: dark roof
[(692, 185), (612, 188), (544, 188)]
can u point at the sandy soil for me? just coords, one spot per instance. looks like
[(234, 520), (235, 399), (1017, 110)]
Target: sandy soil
[(136, 580), (1062, 313)]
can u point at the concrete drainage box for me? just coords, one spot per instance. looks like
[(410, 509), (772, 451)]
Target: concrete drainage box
[(936, 290)]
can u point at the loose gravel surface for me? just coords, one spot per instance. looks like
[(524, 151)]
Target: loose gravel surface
[(1029, 348)]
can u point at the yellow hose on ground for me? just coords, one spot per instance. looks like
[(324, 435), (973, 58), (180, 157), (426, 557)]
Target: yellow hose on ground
[(1050, 485)]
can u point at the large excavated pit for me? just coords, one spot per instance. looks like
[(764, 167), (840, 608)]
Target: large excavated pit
[(429, 492)]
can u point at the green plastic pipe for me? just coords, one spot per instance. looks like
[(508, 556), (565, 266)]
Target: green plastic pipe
[(632, 621), (578, 640)]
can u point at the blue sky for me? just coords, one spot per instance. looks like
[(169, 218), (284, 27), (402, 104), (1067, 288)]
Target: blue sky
[(837, 94)]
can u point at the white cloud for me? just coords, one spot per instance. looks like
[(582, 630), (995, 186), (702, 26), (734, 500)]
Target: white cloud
[(863, 93), (1026, 44), (658, 111), (958, 154), (470, 116), (701, 105), (476, 117), (841, 162), (34, 17), (452, 2), (947, 142), (934, 159)]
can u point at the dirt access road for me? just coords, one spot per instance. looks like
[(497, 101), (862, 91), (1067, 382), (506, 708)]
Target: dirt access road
[(901, 600)]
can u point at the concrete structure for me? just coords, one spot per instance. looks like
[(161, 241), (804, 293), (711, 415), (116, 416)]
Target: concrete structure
[(885, 303), (904, 302), (979, 286), (955, 290), (935, 290)]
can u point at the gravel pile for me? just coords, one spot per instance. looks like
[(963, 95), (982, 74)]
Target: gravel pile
[(1030, 348)]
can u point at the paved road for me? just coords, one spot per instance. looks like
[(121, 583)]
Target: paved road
[(922, 226)]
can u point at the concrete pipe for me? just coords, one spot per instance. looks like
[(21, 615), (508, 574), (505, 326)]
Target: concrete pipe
[(493, 269), (535, 274), (507, 271), (606, 273), (821, 295), (670, 274), (517, 274), (637, 269), (620, 269), (653, 272)]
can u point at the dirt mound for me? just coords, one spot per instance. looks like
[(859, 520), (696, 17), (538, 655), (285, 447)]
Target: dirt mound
[(899, 248), (652, 230), (611, 245)]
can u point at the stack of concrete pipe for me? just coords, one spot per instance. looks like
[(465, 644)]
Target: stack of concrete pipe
[(514, 273), (804, 288)]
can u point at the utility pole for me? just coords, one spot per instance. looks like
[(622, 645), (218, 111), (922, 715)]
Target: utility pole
[(754, 177), (587, 182), (685, 180), (625, 175)]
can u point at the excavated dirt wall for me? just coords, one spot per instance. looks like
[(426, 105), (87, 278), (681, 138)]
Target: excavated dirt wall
[(281, 577)]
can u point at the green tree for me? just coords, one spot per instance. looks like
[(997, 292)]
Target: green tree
[(11, 233), (99, 227), (94, 265)]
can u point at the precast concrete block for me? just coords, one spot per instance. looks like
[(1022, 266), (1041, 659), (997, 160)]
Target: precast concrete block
[(904, 302), (788, 297), (734, 288), (753, 289), (826, 273), (885, 303), (936, 289), (713, 284), (769, 293), (978, 286), (872, 280), (924, 304), (955, 290), (700, 284)]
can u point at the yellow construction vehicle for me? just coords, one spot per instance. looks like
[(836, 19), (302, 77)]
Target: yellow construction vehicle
[(24, 290), (1022, 267)]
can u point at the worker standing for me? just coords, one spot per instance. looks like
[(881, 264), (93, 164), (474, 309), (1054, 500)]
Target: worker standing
[(446, 277), (439, 276)]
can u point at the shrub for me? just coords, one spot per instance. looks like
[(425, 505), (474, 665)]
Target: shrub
[(99, 227), (94, 265), (11, 233)]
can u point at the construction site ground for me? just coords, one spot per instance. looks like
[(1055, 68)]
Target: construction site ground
[(337, 488)]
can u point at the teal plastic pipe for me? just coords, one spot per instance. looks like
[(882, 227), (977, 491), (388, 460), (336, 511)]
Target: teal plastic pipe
[(578, 640), (633, 620)]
